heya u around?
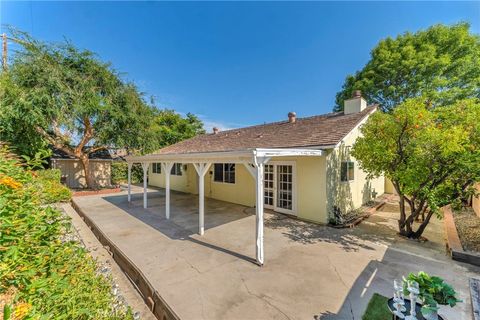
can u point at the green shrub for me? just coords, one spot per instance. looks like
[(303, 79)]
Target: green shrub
[(43, 272), (49, 187), (433, 291), (120, 172)]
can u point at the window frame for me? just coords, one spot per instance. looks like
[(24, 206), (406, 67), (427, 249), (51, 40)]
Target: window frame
[(157, 167), (231, 173), (347, 171), (177, 169)]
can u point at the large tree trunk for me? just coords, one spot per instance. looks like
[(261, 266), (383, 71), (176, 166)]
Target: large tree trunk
[(88, 174), (402, 221)]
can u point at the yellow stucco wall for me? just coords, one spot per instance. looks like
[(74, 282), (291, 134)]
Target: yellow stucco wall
[(349, 195), (389, 188), (187, 182), (241, 192), (310, 190)]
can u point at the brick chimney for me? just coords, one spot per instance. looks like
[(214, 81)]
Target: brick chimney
[(215, 130), (355, 104), (292, 117)]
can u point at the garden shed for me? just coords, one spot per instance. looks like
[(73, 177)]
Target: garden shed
[(72, 171)]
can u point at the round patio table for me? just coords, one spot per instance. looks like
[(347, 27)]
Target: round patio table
[(418, 308)]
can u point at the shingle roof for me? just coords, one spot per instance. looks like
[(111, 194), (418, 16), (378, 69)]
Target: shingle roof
[(102, 154), (322, 130)]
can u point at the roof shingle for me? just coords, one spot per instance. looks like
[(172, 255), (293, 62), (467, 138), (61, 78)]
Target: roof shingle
[(322, 130)]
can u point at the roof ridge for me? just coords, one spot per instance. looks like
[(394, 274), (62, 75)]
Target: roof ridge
[(324, 115)]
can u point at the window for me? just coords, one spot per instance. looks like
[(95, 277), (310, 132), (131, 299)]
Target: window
[(224, 172), (347, 171), (157, 167), (176, 169)]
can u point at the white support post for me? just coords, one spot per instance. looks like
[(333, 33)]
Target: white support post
[(167, 168), (201, 169), (129, 164), (145, 166), (259, 177)]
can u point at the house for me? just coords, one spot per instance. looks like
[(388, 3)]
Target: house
[(300, 167), (72, 171)]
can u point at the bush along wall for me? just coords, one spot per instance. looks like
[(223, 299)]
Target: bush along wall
[(44, 272), (120, 172)]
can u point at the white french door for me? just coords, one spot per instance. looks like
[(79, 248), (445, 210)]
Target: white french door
[(279, 187)]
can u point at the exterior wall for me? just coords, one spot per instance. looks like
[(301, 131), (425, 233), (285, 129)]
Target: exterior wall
[(310, 190), (241, 192), (349, 195), (187, 182), (476, 202), (310, 186), (72, 172), (389, 188)]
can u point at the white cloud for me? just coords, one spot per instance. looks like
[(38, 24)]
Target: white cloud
[(209, 124)]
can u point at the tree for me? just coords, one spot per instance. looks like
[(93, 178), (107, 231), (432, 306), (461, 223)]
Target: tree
[(441, 63), (171, 127), (66, 97), (432, 155)]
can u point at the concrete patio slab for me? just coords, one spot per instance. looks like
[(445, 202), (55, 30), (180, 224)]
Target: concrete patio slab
[(310, 271)]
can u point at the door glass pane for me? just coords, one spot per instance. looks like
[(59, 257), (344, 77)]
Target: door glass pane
[(285, 187), (268, 185)]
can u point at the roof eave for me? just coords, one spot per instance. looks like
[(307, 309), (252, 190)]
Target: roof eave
[(240, 156)]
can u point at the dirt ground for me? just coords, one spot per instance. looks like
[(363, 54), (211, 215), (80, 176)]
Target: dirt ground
[(468, 227)]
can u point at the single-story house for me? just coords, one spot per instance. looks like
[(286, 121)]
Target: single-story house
[(300, 167), (72, 171)]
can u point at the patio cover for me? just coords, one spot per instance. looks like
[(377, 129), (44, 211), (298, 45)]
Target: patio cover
[(253, 159)]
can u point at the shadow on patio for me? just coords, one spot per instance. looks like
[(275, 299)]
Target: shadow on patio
[(183, 222)]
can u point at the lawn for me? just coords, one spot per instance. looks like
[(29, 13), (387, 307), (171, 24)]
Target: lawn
[(377, 308)]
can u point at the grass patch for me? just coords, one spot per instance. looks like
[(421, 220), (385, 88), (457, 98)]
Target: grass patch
[(377, 308)]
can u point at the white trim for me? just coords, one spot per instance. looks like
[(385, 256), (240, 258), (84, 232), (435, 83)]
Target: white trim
[(167, 166), (145, 167), (275, 187), (129, 179), (202, 169), (242, 156)]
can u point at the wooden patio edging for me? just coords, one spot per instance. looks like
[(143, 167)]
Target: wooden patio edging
[(454, 245), (367, 213), (160, 309)]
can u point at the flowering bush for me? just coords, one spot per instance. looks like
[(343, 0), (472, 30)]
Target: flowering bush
[(44, 274)]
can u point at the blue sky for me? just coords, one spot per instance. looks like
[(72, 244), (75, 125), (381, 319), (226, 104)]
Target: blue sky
[(232, 63)]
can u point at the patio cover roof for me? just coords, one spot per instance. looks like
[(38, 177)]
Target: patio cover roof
[(241, 156)]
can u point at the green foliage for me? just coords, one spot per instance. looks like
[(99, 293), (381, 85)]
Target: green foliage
[(377, 308), (59, 95), (171, 127), (441, 63), (38, 160), (45, 274), (430, 154), (49, 187), (120, 172), (433, 291)]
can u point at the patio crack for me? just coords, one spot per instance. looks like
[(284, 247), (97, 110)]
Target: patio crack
[(344, 284), (263, 299)]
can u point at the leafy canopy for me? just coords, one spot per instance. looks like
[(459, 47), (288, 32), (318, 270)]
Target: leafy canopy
[(57, 94), (430, 154), (441, 63)]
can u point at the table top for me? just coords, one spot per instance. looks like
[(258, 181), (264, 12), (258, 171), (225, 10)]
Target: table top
[(418, 308)]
